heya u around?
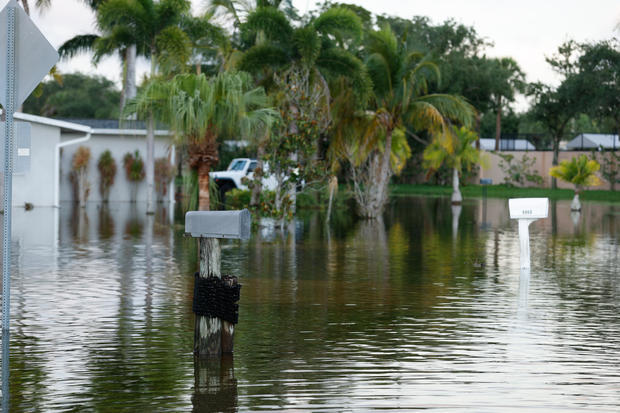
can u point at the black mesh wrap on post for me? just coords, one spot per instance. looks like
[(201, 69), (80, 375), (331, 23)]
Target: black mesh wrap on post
[(215, 297)]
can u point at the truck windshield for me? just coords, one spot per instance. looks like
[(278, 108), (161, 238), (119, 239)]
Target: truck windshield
[(237, 165)]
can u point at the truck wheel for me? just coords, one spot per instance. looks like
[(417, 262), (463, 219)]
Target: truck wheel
[(227, 186)]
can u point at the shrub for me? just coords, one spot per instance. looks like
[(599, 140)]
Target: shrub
[(107, 173)]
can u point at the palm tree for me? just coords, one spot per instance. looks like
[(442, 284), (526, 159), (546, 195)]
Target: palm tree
[(456, 149), (201, 109), (153, 27), (296, 65), (579, 172), (506, 78), (401, 100)]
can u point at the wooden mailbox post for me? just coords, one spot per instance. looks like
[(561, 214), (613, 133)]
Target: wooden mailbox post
[(212, 335)]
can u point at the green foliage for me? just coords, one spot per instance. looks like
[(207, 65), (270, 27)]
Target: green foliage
[(503, 191), (164, 172), (79, 97), (134, 166), (610, 166), (520, 172), (578, 171), (454, 149), (107, 172)]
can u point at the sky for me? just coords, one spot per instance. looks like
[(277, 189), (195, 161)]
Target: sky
[(526, 30)]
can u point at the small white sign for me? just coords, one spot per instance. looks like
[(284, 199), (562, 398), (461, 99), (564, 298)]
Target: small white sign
[(23, 151), (532, 208)]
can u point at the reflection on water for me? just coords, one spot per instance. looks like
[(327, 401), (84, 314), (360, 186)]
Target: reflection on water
[(424, 308)]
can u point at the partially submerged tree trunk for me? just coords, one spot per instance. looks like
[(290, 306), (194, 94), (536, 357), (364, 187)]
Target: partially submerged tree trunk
[(259, 172), (150, 147), (498, 124), (333, 188), (150, 163), (556, 156), (371, 186), (575, 205), (457, 199)]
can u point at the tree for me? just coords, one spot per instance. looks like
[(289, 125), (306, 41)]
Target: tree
[(579, 172), (79, 97), (79, 174), (107, 172), (401, 99), (201, 109), (153, 27), (455, 149), (598, 80), (506, 78), (296, 66), (134, 172), (554, 108)]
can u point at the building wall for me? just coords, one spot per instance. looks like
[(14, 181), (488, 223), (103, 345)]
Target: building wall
[(37, 185), (119, 145), (543, 164)]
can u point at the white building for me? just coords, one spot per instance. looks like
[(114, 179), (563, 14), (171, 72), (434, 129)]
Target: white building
[(52, 145), (594, 141), (507, 145)]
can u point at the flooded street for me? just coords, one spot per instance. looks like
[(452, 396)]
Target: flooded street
[(424, 309)]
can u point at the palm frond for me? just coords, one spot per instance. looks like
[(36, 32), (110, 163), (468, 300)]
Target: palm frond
[(338, 21), (271, 22), (76, 45), (261, 56)]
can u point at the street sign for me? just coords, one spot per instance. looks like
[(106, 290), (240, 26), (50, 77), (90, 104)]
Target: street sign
[(34, 55)]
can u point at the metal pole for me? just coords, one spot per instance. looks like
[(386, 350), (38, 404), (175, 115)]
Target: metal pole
[(8, 187)]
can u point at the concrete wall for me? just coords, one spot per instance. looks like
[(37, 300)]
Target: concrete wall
[(119, 143), (544, 160), (37, 185)]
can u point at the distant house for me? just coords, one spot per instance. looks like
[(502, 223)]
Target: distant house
[(507, 145), (52, 144), (594, 141)]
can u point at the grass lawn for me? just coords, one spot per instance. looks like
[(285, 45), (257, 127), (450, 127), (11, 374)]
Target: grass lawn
[(503, 191)]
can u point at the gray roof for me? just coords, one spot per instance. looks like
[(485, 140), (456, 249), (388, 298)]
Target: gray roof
[(594, 140), (507, 145)]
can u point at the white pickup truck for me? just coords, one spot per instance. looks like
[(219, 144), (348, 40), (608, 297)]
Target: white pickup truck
[(238, 169)]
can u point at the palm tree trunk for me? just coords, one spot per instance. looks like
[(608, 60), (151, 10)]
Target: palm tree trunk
[(150, 149), (498, 124), (333, 187), (130, 74), (381, 171), (259, 172), (556, 155), (150, 163), (203, 187), (456, 192)]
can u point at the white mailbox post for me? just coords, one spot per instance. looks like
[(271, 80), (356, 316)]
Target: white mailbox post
[(527, 210), (212, 335)]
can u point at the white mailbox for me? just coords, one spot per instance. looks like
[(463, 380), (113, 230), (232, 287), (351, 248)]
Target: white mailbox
[(527, 210), (218, 224), (533, 208)]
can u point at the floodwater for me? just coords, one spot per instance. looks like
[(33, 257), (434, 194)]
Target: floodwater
[(424, 309)]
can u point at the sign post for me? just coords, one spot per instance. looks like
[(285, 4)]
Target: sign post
[(527, 210), (28, 57), (215, 297)]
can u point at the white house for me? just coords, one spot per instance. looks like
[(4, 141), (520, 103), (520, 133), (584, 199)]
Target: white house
[(507, 145), (594, 141), (52, 145)]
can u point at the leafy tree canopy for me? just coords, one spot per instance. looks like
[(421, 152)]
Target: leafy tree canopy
[(78, 96)]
